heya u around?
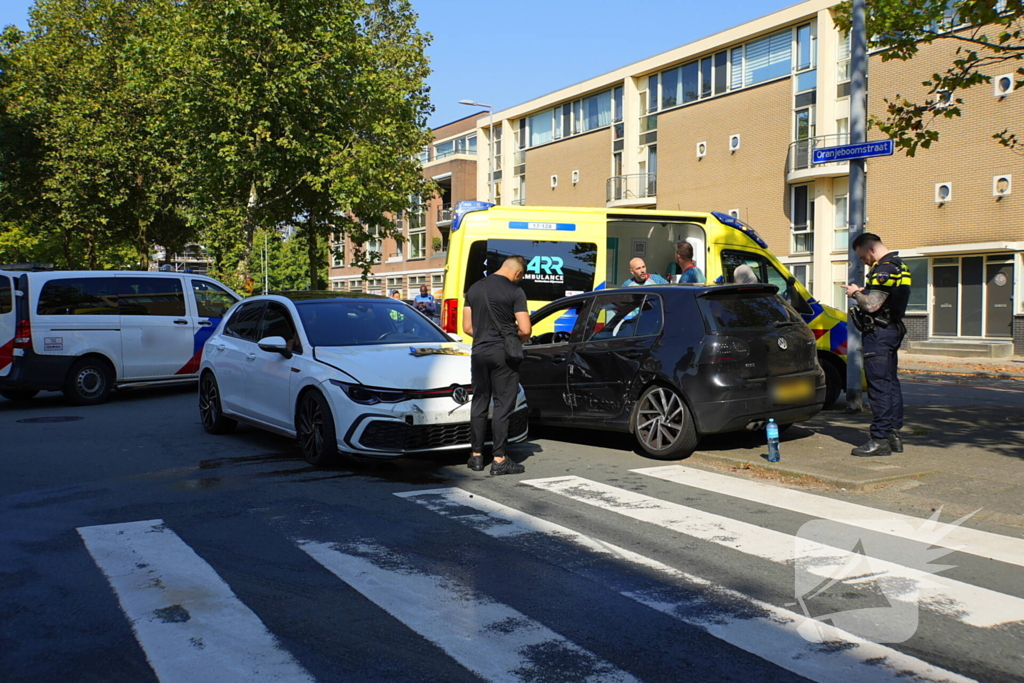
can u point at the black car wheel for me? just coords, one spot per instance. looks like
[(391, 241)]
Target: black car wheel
[(210, 411), (19, 394), (315, 426), (663, 425), (89, 382), (833, 384)]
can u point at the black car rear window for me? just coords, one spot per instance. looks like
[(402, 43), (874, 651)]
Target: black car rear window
[(739, 310)]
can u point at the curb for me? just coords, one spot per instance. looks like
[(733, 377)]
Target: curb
[(976, 373), (858, 484)]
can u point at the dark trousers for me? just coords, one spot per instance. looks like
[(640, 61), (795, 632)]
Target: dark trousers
[(493, 378), (881, 360)]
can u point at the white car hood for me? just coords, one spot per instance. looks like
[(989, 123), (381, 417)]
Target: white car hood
[(394, 366)]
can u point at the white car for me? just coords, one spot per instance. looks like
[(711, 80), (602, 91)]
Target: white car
[(364, 375)]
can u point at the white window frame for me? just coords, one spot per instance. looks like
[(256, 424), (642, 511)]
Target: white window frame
[(807, 229)]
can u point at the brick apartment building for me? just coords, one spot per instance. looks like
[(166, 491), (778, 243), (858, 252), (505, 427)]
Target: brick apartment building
[(451, 162), (728, 123)]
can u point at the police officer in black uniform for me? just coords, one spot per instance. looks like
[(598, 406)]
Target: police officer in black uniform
[(879, 313)]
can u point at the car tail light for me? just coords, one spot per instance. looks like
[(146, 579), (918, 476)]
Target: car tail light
[(723, 350), (450, 316), (23, 335)]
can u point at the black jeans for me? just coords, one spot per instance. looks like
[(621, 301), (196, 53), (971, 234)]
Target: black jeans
[(493, 377), (881, 361)]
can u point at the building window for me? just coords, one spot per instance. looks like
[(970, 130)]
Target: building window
[(465, 144), (424, 155), (437, 281), (805, 56), (375, 244), (355, 285), (919, 291), (415, 282), (338, 255), (803, 273), (843, 59), (571, 118), (803, 218), (337, 285), (417, 243), (497, 148), (396, 284), (721, 72), (768, 58), (841, 202)]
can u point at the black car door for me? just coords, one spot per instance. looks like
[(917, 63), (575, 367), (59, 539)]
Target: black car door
[(621, 329), (543, 372)]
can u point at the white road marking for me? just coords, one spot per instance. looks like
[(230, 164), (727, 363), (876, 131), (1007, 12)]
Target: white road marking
[(489, 638), (190, 624), (970, 604), (762, 629), (981, 543)]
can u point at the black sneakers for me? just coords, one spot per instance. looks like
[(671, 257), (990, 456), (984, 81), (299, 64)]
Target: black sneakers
[(476, 463), (506, 466)]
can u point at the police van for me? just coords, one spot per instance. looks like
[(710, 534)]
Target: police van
[(572, 250), (86, 332)]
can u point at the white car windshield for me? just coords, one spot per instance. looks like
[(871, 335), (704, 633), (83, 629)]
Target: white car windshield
[(364, 322)]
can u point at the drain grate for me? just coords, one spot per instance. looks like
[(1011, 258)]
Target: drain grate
[(55, 418)]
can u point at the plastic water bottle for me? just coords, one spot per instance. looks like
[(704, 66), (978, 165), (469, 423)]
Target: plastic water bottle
[(773, 440)]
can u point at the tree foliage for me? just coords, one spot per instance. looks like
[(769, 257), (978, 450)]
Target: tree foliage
[(141, 122), (987, 34)]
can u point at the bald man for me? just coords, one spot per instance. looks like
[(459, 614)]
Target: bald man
[(495, 307), (640, 277)]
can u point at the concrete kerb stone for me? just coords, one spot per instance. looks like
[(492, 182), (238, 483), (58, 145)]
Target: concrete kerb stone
[(851, 481)]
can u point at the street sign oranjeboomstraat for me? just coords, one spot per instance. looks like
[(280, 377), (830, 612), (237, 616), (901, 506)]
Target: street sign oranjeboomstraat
[(859, 150)]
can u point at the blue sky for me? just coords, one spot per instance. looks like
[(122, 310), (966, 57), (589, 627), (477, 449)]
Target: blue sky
[(504, 54)]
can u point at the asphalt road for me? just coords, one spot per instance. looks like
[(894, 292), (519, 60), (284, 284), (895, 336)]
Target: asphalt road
[(135, 547)]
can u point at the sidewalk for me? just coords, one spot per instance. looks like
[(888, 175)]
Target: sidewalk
[(1012, 367), (960, 459)]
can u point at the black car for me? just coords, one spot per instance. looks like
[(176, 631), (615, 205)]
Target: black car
[(672, 363)]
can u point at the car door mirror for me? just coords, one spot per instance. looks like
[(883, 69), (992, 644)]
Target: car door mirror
[(275, 345)]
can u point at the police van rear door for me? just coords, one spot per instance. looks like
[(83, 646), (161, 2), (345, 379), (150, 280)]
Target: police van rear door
[(8, 323)]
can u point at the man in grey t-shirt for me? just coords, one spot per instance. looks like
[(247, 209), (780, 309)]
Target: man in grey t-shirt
[(493, 375)]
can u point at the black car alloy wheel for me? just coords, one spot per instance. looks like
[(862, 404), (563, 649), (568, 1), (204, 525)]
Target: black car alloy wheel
[(316, 431), (663, 425), (209, 407)]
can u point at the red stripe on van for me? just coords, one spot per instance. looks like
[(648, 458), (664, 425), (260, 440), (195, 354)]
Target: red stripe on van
[(192, 366), (6, 354)]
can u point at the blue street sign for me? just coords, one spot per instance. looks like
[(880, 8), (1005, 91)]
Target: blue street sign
[(860, 150)]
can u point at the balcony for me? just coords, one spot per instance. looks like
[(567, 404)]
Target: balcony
[(801, 152), (633, 190), (444, 214), (518, 202)]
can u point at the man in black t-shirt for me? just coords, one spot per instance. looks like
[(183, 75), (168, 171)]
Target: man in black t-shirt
[(884, 301), (494, 376)]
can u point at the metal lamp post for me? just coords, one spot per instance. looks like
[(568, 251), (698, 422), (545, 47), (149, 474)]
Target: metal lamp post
[(490, 144)]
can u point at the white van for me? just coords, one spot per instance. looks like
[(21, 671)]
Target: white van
[(85, 332)]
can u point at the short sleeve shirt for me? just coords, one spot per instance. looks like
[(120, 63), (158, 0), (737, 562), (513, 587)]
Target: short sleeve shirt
[(652, 279), (692, 276), (891, 275), (506, 298)]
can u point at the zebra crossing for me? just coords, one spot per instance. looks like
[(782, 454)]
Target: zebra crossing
[(193, 627)]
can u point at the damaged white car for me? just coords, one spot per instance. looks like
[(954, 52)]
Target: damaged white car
[(363, 375)]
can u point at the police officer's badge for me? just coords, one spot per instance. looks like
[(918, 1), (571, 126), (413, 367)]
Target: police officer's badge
[(880, 278)]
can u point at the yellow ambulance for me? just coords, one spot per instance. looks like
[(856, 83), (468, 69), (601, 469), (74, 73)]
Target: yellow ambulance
[(573, 250)]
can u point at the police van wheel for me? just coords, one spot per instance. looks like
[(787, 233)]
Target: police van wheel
[(19, 394), (662, 424), (833, 384), (89, 382)]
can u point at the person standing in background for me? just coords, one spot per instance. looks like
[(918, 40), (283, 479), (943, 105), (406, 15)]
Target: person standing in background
[(689, 272)]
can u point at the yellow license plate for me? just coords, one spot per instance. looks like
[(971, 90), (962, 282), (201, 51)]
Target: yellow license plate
[(793, 390)]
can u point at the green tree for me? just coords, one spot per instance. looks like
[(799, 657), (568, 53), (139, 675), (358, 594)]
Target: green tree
[(298, 111), (80, 90), (987, 34)]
